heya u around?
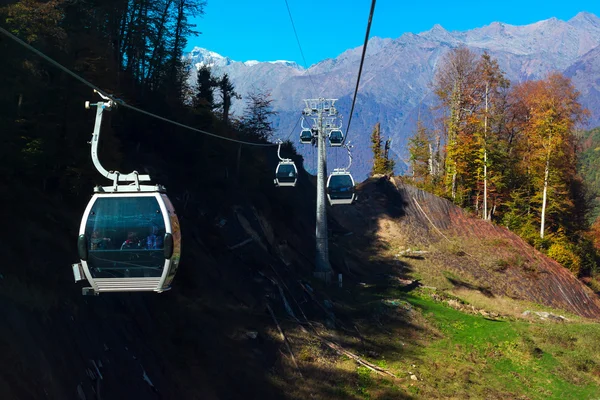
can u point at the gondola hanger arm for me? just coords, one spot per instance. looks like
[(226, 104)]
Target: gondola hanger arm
[(115, 176), (348, 146), (280, 142), (302, 123)]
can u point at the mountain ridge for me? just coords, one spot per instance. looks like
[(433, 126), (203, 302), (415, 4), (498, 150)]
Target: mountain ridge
[(397, 74)]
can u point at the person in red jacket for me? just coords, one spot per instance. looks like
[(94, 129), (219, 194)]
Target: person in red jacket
[(132, 242)]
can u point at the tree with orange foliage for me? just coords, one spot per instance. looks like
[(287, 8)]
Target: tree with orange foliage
[(548, 157), (471, 90)]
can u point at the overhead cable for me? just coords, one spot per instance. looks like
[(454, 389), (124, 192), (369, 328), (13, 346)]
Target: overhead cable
[(294, 128), (362, 60), (300, 46)]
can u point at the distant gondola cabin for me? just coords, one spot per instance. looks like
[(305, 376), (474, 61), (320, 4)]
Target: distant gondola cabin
[(340, 188), (286, 174), (306, 136), (335, 138)]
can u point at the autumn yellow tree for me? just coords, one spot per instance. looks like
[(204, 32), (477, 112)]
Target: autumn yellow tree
[(471, 90), (455, 86), (548, 149), (492, 86)]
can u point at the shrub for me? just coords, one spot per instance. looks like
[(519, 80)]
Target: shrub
[(563, 252), (594, 284)]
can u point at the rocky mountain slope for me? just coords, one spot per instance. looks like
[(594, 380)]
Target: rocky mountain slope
[(395, 87)]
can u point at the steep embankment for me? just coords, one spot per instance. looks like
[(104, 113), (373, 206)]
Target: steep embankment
[(483, 255)]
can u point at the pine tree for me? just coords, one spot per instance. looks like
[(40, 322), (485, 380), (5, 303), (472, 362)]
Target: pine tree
[(379, 166), (227, 94), (205, 86), (258, 114), (390, 164), (420, 157)]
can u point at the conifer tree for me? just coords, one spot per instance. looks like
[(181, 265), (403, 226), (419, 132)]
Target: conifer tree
[(227, 94), (205, 86), (420, 157), (382, 163), (390, 164), (379, 166), (258, 114)]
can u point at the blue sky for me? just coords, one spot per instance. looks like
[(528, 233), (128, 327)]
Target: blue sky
[(261, 29)]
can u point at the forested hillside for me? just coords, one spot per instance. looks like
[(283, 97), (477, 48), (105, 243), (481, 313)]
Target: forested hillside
[(509, 153), (133, 51), (589, 167), (183, 344)]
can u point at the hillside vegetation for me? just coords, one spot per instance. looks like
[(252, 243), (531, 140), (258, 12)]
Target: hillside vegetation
[(509, 153), (589, 167), (443, 305), (434, 302)]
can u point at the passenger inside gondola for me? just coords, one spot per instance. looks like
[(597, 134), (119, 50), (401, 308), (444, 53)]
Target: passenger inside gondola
[(286, 171), (136, 229), (132, 242), (154, 241), (97, 242)]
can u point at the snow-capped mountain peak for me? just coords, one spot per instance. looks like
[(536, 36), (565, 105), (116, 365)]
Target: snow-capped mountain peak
[(200, 57), (287, 63), (397, 73)]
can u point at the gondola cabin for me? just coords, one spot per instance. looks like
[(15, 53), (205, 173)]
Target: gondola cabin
[(129, 242), (335, 138), (306, 136), (286, 174), (340, 188)]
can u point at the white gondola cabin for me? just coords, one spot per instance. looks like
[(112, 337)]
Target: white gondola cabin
[(340, 188), (286, 174), (129, 242), (129, 236), (336, 138), (306, 136)]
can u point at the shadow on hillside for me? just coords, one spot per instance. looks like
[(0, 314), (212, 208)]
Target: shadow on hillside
[(187, 343), (355, 316), (461, 284), (195, 342)]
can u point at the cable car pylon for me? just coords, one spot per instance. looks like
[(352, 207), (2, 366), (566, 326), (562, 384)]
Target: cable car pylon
[(324, 114), (129, 238)]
